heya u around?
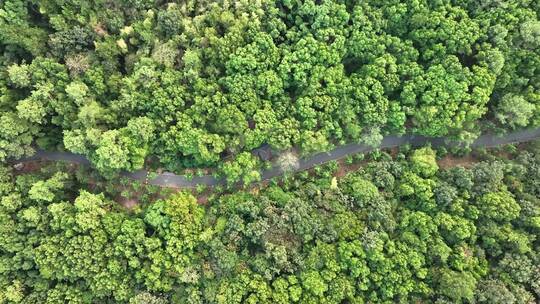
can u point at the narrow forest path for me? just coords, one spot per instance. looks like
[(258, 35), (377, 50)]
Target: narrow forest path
[(168, 179)]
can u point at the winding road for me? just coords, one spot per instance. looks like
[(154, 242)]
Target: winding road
[(168, 179)]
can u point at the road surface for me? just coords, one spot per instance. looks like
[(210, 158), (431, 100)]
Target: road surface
[(168, 179)]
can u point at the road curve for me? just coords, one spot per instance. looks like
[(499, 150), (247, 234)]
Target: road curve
[(168, 179)]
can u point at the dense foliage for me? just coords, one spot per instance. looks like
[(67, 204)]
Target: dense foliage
[(395, 230), (192, 81), (218, 84)]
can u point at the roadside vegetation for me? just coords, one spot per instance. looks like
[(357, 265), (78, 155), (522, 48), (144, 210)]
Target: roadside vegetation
[(393, 229)]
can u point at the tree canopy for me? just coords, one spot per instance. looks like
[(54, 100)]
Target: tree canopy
[(225, 88), (204, 80), (393, 230)]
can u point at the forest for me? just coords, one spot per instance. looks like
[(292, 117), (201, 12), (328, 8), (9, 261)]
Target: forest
[(187, 84), (397, 228), (225, 89)]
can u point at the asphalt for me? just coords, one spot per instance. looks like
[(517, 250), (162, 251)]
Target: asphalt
[(168, 179)]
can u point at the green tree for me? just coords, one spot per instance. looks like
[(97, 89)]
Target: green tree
[(423, 162), (19, 75), (457, 286), (515, 111), (499, 206), (244, 168)]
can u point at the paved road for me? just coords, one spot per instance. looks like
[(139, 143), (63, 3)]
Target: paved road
[(168, 179)]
